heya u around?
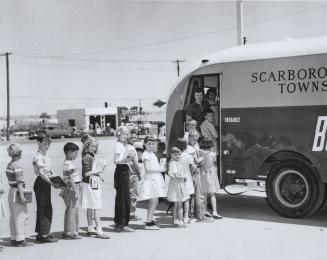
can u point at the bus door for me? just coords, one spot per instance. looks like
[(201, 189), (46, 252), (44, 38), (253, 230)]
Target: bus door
[(210, 83)]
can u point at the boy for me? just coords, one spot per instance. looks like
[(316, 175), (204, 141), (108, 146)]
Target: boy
[(42, 189), (134, 176), (71, 193), (17, 204), (208, 129)]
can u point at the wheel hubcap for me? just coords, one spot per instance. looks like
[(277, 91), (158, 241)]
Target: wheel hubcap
[(291, 188)]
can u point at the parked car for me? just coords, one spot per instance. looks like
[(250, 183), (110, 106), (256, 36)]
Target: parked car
[(19, 135), (56, 132)]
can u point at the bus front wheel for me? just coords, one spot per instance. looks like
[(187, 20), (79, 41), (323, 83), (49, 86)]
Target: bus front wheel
[(292, 189)]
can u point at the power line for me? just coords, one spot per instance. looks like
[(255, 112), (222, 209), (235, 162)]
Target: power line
[(79, 98), (166, 41)]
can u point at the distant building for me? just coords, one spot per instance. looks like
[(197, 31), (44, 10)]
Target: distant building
[(88, 118)]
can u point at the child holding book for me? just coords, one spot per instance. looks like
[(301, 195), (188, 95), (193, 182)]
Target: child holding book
[(71, 193), (42, 189), (16, 198)]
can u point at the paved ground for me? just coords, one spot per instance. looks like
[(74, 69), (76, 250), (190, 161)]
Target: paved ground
[(249, 230)]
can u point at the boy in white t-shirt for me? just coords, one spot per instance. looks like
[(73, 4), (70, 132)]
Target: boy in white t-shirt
[(71, 193)]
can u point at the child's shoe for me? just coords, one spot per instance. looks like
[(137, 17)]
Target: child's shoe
[(151, 226), (217, 216), (23, 243), (181, 224), (73, 237), (128, 229), (186, 221), (91, 231), (175, 222), (102, 236)]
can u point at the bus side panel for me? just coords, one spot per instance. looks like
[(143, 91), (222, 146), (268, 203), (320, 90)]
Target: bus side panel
[(251, 135)]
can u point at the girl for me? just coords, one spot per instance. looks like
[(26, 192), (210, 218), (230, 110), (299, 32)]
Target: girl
[(153, 184), (209, 179), (177, 191), (16, 198), (188, 164), (123, 158), (190, 125), (91, 191)]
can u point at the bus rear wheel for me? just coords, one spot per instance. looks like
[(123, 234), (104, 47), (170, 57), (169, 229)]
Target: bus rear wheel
[(292, 189)]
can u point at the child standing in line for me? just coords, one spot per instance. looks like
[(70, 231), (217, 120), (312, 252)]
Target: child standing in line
[(71, 193), (193, 150), (17, 206), (42, 189), (134, 176), (3, 211), (209, 179), (123, 158), (188, 164), (177, 191), (91, 190), (153, 184)]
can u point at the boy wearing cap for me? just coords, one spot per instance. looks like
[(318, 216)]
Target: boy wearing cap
[(17, 206)]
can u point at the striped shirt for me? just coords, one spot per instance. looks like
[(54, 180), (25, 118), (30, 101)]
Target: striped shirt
[(208, 130), (14, 174)]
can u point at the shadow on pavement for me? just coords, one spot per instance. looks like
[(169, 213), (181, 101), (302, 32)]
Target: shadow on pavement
[(247, 208), (256, 208)]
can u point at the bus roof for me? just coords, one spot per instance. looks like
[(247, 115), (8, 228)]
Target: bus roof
[(268, 50)]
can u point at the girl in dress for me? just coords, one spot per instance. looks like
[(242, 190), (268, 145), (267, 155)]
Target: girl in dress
[(91, 190), (177, 191), (153, 184), (188, 164), (209, 178)]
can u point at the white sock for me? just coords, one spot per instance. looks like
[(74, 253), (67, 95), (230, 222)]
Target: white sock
[(90, 229), (99, 230), (176, 221)]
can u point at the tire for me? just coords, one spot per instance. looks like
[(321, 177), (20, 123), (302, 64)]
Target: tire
[(292, 189)]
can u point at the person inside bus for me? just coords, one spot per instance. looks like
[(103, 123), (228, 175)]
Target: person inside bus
[(212, 100), (208, 129), (196, 109)]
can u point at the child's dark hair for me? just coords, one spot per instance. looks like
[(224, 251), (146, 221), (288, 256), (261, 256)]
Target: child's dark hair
[(206, 143), (208, 111), (181, 143), (139, 149), (149, 138), (43, 137), (70, 147), (161, 146)]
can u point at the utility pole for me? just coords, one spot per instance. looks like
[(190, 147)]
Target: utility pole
[(240, 34), (139, 119), (8, 101), (177, 62)]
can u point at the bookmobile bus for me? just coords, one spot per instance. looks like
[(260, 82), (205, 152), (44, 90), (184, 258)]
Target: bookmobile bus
[(272, 118)]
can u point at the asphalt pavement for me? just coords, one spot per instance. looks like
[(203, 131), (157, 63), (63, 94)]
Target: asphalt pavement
[(249, 229)]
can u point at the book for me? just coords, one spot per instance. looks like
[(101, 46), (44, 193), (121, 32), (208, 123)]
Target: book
[(27, 195), (58, 180)]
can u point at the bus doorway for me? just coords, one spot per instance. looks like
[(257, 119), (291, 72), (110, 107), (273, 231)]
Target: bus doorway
[(209, 85)]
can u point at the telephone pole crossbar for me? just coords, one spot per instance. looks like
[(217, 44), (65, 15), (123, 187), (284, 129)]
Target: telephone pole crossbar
[(177, 62)]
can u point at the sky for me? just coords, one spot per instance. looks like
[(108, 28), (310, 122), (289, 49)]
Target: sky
[(76, 54)]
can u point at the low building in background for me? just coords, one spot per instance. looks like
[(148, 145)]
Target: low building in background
[(89, 119)]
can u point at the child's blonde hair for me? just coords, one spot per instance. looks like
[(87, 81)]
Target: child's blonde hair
[(122, 129), (193, 133), (14, 150), (191, 123), (87, 144)]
